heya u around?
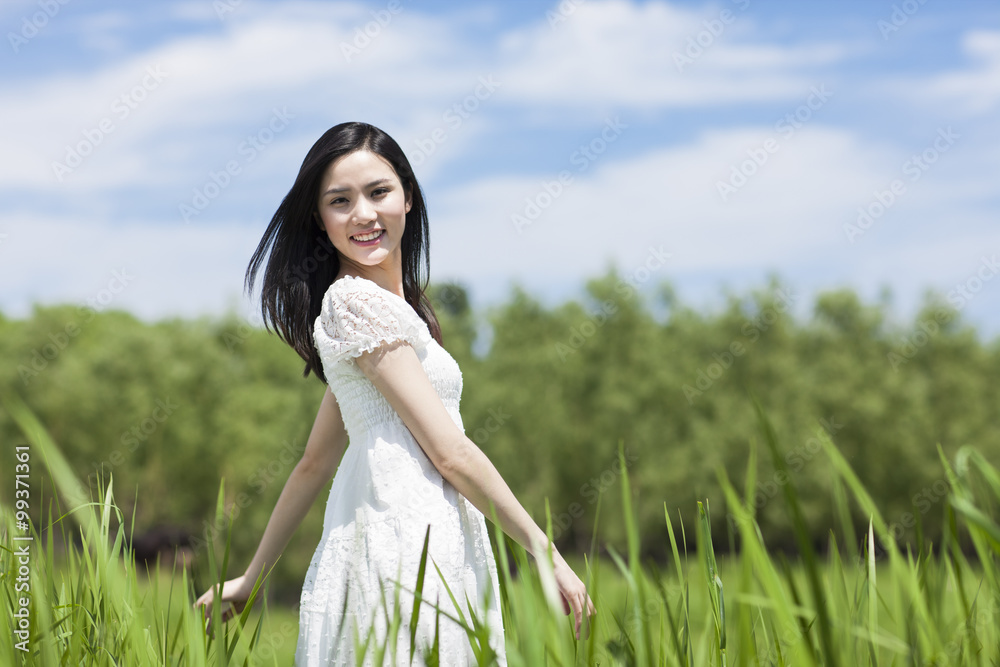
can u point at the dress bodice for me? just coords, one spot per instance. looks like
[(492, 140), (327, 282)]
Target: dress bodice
[(358, 316)]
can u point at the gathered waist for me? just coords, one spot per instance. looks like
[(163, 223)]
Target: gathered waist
[(375, 425)]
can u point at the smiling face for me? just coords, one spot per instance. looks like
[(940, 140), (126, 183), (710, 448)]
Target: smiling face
[(362, 207)]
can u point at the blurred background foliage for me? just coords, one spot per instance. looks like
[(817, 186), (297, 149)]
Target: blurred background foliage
[(172, 407)]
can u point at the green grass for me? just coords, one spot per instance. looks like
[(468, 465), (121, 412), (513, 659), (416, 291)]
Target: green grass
[(919, 604)]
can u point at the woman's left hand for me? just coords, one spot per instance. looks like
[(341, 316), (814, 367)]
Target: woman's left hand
[(574, 596)]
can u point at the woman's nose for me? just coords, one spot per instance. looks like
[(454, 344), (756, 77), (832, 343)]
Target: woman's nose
[(364, 210)]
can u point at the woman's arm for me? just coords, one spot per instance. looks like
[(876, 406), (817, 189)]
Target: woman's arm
[(323, 452), (324, 449), (396, 372)]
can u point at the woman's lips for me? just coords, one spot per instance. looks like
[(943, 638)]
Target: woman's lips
[(374, 241)]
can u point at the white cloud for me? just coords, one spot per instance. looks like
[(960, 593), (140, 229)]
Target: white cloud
[(614, 209), (160, 270), (414, 68), (653, 55), (215, 83), (788, 217), (610, 56), (977, 88), (970, 90), (791, 208)]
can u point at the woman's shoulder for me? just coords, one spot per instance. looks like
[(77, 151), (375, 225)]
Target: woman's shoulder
[(352, 304), (349, 293)]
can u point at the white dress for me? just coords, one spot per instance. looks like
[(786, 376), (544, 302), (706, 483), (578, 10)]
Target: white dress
[(385, 494)]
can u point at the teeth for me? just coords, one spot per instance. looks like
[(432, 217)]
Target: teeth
[(368, 237)]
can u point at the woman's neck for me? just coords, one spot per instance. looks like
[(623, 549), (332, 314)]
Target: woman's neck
[(389, 280)]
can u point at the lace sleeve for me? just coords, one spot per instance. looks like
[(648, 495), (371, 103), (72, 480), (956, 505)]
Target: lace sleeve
[(358, 316)]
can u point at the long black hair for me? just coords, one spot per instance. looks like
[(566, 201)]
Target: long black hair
[(301, 261)]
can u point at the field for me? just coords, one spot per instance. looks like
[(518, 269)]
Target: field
[(863, 600)]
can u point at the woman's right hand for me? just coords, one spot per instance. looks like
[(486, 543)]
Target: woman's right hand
[(237, 591)]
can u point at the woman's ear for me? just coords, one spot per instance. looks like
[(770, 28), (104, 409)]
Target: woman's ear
[(318, 220), (409, 202)]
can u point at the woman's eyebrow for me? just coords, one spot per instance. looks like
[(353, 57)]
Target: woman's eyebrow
[(333, 191)]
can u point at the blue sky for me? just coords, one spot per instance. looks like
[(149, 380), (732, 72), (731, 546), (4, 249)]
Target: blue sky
[(740, 137)]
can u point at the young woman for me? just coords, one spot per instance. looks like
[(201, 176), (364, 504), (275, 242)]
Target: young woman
[(343, 287)]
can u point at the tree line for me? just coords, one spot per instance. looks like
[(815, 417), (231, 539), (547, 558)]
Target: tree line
[(170, 408)]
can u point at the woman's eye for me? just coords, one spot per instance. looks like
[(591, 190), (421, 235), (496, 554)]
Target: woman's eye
[(338, 200), (378, 192)]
